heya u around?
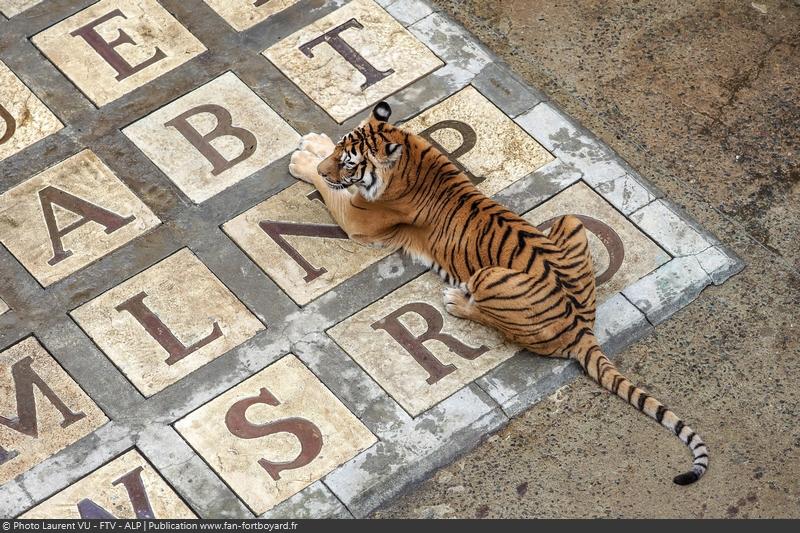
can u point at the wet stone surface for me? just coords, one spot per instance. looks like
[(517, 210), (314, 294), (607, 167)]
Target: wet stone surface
[(260, 362)]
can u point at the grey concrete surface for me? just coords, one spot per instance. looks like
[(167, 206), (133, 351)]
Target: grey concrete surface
[(701, 97)]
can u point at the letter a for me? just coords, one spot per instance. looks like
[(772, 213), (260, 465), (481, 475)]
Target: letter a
[(88, 211)]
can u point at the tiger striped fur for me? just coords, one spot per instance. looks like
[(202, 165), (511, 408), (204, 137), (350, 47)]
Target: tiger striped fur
[(537, 289)]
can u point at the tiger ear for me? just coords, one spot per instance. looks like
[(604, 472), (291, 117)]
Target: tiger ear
[(393, 152), (382, 112)]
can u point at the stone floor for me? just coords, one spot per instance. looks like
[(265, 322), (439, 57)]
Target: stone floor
[(702, 98), (185, 332)]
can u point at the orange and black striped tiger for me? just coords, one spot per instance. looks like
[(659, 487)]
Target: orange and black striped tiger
[(537, 289)]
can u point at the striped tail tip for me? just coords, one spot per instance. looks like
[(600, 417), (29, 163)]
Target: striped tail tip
[(687, 478)]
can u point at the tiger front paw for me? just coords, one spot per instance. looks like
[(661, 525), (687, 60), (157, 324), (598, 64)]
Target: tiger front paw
[(458, 302), (303, 165), (318, 144)]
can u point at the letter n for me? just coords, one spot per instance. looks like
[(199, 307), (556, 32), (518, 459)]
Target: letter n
[(277, 230), (132, 481)]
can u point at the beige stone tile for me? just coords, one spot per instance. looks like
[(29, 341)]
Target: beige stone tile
[(10, 8), (359, 33), (42, 410), (3, 306), (244, 14), (24, 119), (296, 253), (274, 434), (167, 321), (94, 49), (126, 488), (89, 211), (614, 242), (213, 137), (388, 340), (488, 144)]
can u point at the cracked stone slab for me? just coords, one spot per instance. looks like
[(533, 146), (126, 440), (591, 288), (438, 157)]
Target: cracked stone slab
[(10, 8), (669, 230), (409, 452), (279, 430), (668, 289), (69, 216), (407, 12), (126, 488), (506, 90), (244, 14), (481, 138), (24, 119), (166, 322), (213, 137), (626, 193), (352, 58), (315, 502), (570, 143), (621, 253), (189, 475), (87, 47), (38, 428)]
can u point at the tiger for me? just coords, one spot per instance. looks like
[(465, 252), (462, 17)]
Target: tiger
[(388, 187)]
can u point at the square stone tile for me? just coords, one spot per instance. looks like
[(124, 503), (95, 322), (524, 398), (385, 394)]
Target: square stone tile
[(621, 253), (295, 241), (244, 14), (24, 119), (126, 488), (10, 8), (352, 58), (275, 433), (69, 216), (167, 321), (415, 350), (115, 46), (213, 137), (486, 143), (42, 410)]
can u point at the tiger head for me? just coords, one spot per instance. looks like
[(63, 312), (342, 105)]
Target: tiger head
[(367, 156)]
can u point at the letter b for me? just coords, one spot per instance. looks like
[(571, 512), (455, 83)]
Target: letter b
[(223, 128)]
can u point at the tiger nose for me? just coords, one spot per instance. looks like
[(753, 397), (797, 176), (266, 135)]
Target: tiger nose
[(321, 171)]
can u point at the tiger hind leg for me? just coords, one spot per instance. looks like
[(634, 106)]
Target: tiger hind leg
[(516, 303), (574, 266)]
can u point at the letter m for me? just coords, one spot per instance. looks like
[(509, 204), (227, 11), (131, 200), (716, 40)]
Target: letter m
[(26, 421)]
